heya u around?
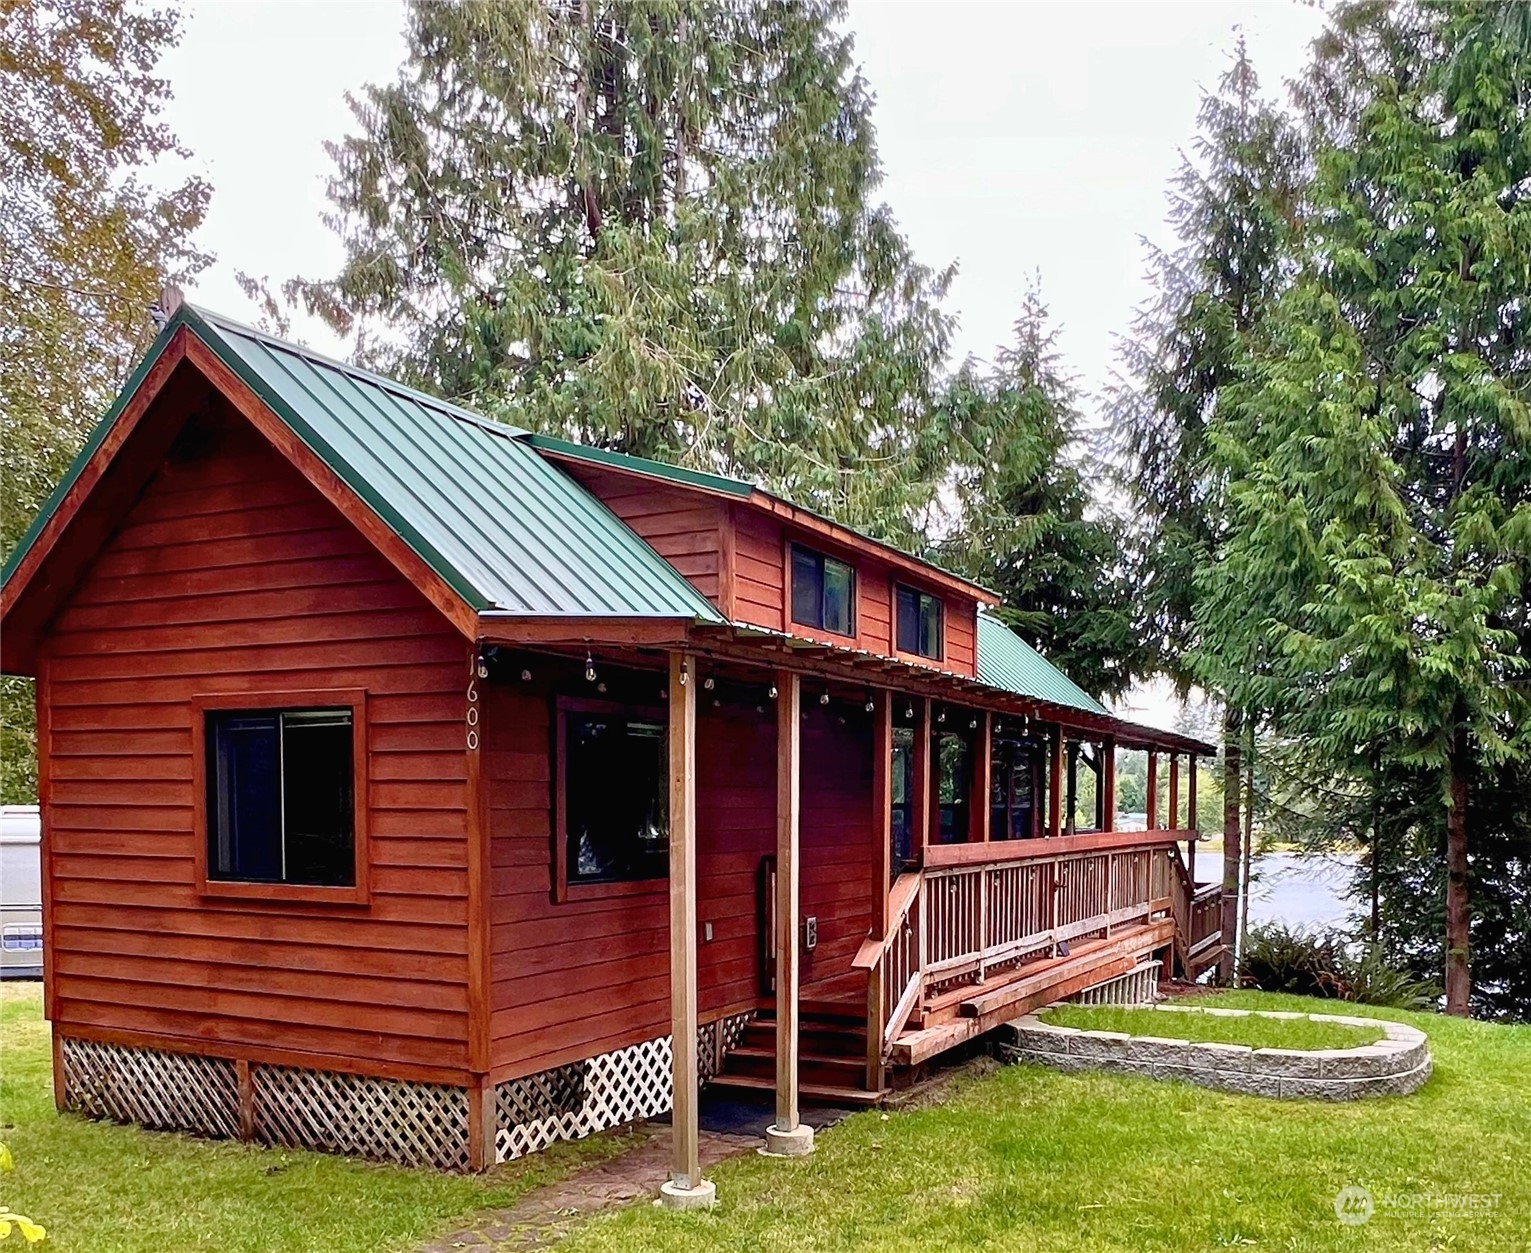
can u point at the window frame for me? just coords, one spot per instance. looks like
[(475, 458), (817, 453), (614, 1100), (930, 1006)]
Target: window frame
[(563, 890), (940, 602), (793, 546), (357, 893)]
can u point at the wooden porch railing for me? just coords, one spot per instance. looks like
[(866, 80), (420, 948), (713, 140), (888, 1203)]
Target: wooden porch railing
[(1198, 918), (977, 912)]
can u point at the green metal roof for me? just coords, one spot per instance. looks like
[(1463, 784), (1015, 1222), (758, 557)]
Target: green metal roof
[(504, 528), (1008, 662), (642, 465)]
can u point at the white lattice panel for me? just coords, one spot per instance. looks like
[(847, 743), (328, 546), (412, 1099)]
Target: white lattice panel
[(413, 1124), (169, 1091), (604, 1091)]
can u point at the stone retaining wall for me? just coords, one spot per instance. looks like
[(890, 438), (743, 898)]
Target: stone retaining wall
[(1395, 1065)]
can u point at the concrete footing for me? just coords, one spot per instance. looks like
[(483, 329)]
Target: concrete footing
[(677, 1196), (798, 1142)]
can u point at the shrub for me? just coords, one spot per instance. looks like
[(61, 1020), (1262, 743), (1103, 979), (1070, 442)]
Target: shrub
[(1329, 964)]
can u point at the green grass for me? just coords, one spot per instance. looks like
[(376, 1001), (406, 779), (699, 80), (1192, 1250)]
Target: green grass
[(1258, 1033), (1039, 1161), (1022, 1158), (101, 1188)]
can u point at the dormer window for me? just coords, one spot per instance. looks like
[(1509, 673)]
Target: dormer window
[(920, 623), (823, 592)]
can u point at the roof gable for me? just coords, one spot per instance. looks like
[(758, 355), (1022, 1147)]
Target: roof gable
[(503, 529)]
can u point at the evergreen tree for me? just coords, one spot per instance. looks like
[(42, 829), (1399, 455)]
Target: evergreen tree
[(650, 227), (1379, 461), (1233, 209), (1026, 522), (87, 240)]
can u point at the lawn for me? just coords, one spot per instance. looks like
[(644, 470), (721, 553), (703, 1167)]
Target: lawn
[(1257, 1033), (100, 1188), (1020, 1158)]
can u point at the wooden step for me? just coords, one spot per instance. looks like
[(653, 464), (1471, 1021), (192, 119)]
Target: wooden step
[(809, 1093), (814, 1037), (812, 1067)]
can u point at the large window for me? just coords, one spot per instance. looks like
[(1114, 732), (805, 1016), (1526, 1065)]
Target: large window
[(904, 841), (919, 622), (953, 770), (281, 796), (613, 794), (823, 592)]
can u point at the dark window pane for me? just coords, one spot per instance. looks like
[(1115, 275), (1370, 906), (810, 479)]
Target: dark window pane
[(903, 797), (807, 588), (616, 798), (908, 609), (839, 596), (317, 798), (930, 627), (244, 828), (953, 779)]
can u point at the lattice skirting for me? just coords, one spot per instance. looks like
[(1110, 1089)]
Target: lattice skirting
[(413, 1124), (608, 1090), (167, 1091), (1139, 986)]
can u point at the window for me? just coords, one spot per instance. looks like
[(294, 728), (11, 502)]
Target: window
[(953, 771), (823, 592), (904, 843), (281, 802), (919, 622), (614, 794), (1013, 790)]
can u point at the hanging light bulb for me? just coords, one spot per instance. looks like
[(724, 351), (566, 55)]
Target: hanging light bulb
[(708, 684), (483, 668), (824, 698), (871, 704), (771, 691), (600, 687), (526, 676), (941, 717), (972, 724), (909, 711), (589, 667), (685, 674)]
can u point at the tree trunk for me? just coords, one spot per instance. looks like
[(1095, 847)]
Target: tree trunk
[(1228, 916), (1458, 976)]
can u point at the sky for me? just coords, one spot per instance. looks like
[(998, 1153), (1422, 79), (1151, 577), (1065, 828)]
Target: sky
[(1027, 143)]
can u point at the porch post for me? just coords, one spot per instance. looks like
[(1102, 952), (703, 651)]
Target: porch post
[(1174, 811), (983, 764), (1055, 784), (1190, 815), (1153, 789), (787, 1137), (1107, 784), (686, 1189), (882, 809), (1071, 802), (920, 809)]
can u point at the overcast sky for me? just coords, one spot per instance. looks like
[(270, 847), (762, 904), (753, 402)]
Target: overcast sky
[(1023, 142)]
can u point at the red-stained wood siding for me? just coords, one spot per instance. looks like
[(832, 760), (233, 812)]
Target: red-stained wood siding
[(231, 574), (580, 977), (760, 582), (685, 528)]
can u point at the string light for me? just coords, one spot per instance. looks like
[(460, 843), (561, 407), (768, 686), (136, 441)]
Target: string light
[(526, 676), (771, 691), (824, 698), (589, 667), (708, 684), (685, 674)]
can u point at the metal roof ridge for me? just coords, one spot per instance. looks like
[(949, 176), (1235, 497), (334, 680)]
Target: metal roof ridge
[(446, 407)]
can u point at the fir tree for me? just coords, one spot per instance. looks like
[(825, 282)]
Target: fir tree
[(1379, 461), (651, 227)]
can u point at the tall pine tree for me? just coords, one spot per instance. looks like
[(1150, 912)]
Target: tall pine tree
[(652, 227), (1234, 209), (1379, 461)]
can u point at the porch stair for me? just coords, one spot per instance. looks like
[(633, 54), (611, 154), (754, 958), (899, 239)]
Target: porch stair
[(831, 1060)]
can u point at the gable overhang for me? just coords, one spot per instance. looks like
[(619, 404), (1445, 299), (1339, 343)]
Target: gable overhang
[(124, 451)]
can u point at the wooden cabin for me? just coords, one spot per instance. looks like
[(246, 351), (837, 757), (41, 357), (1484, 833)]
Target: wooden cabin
[(411, 783)]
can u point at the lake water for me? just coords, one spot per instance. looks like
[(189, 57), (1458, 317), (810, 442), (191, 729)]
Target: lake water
[(1300, 890)]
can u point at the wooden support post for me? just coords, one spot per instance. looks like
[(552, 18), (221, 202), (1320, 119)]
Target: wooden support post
[(1107, 784), (1153, 790), (787, 1136), (1174, 811), (1071, 799), (983, 764), (921, 810), (1190, 816), (1055, 783), (882, 809), (685, 1187)]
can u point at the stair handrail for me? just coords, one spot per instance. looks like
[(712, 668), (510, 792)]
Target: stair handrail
[(889, 1007)]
